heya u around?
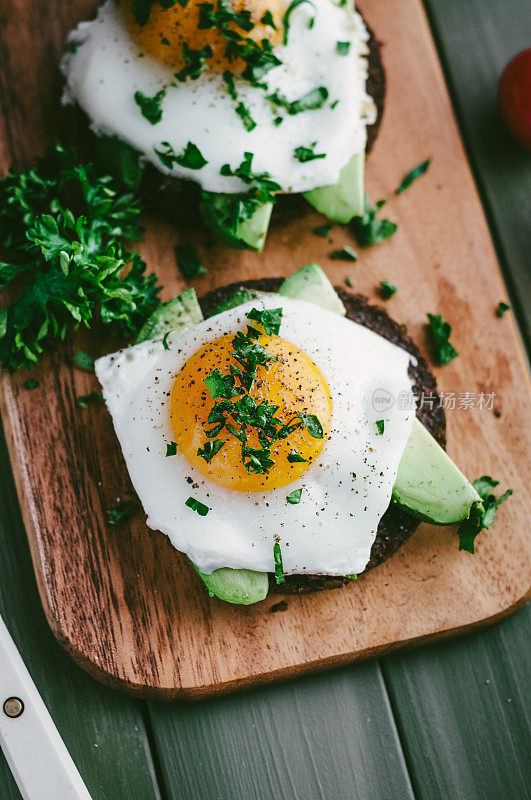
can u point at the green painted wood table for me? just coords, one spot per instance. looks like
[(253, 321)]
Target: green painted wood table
[(448, 722)]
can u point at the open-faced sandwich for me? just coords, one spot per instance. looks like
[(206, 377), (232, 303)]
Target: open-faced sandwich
[(227, 107), (271, 433)]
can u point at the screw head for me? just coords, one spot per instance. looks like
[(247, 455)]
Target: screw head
[(13, 707)]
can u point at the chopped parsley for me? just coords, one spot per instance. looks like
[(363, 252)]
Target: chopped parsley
[(352, 577), (305, 154), (197, 506), (368, 228), (244, 416), (348, 282), (387, 290), (296, 458), (195, 62), (294, 497), (411, 176), (258, 56), (323, 230), (85, 400), (267, 19), (188, 261), (241, 109), (165, 340), (286, 18), (83, 361), (312, 425), (123, 511), (171, 449), (315, 98), (482, 514), (346, 253), (63, 225), (279, 568), (210, 449), (502, 308), (343, 48), (440, 332), (380, 425), (263, 188), (31, 383), (151, 107), (269, 318), (191, 157)]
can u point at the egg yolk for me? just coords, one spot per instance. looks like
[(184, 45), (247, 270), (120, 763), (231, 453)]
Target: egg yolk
[(293, 382), (168, 29)]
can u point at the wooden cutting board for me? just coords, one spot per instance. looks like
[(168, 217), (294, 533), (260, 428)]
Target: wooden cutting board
[(122, 601)]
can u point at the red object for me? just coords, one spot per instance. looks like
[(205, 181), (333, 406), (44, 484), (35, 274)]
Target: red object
[(514, 97)]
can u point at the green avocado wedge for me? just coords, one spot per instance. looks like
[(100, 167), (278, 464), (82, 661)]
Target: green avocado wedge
[(343, 200), (241, 586), (311, 283), (429, 485), (179, 313), (225, 216)]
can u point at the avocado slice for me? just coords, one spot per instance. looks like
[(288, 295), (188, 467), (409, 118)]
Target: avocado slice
[(310, 283), (179, 313), (240, 586), (343, 200), (227, 217), (429, 485)]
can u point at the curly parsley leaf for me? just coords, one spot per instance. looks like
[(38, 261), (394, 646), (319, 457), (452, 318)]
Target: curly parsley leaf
[(304, 154), (502, 308), (279, 568), (188, 261), (151, 107), (315, 98), (269, 318), (368, 228), (294, 497), (86, 399), (346, 253), (323, 230), (197, 506), (440, 332), (312, 425), (411, 176), (296, 458), (380, 426), (210, 449), (482, 514), (387, 290), (286, 18), (83, 361), (267, 19), (191, 157), (123, 511), (171, 449), (64, 225), (195, 62)]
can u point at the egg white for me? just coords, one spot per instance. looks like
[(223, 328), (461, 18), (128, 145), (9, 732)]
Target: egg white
[(344, 492), (106, 68)]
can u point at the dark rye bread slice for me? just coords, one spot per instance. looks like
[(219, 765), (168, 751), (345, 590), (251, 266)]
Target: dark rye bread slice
[(396, 525)]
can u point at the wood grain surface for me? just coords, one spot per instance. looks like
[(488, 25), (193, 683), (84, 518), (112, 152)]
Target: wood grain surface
[(121, 601)]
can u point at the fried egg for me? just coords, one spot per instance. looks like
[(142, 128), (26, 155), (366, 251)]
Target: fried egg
[(321, 366), (317, 50)]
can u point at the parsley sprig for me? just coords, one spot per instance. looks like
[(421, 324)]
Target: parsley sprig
[(238, 413), (62, 227), (482, 514)]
